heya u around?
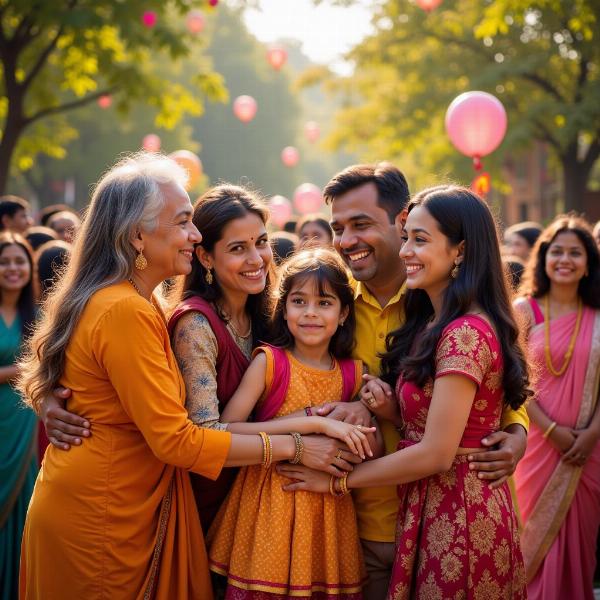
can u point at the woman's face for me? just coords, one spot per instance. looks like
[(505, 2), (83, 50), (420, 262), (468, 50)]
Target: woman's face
[(170, 247), (427, 253), (314, 233), (517, 245), (241, 258), (15, 270), (566, 259)]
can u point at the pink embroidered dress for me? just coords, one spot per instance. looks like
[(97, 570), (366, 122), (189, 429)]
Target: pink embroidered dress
[(457, 538)]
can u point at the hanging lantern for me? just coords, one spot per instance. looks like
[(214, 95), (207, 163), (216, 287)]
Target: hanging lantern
[(244, 108), (280, 209), (307, 198), (428, 5), (481, 185), (191, 163), (194, 21), (312, 131), (105, 101), (290, 156), (277, 55), (149, 19), (151, 143)]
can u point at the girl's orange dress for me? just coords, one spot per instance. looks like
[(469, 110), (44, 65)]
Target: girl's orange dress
[(115, 517), (271, 543)]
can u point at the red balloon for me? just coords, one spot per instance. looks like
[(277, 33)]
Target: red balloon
[(194, 21), (476, 123), (151, 143), (277, 55), (105, 101), (307, 198), (280, 209), (213, 3), (312, 131), (149, 19), (290, 156), (244, 108), (428, 5), (191, 163)]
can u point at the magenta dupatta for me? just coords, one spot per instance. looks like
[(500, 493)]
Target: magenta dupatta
[(559, 503)]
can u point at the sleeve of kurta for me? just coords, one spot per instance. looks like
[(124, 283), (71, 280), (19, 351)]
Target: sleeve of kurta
[(518, 417), (131, 344)]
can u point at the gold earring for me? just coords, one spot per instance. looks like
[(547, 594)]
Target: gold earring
[(455, 270), (209, 276), (140, 262)]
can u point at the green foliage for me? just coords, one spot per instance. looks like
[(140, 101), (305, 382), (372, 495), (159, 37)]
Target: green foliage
[(541, 58), (57, 56)]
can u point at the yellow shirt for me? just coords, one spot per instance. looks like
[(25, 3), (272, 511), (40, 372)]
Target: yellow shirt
[(377, 507)]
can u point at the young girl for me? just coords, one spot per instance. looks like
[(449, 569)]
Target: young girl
[(18, 426), (267, 542)]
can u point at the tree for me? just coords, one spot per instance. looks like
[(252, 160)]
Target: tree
[(541, 58), (58, 56)]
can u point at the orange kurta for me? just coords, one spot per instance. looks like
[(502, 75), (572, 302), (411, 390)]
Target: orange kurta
[(115, 517)]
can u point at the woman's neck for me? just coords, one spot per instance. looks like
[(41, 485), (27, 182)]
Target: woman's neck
[(234, 306), (318, 357), (10, 300), (564, 295)]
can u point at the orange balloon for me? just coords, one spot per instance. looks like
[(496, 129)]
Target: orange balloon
[(312, 131), (290, 156), (191, 163), (195, 21), (151, 143), (105, 101), (428, 5), (277, 55)]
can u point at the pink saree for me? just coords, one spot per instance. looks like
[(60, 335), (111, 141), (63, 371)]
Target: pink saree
[(559, 503)]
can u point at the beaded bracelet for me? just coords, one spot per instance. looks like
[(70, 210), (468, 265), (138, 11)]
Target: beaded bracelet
[(549, 430), (299, 448)]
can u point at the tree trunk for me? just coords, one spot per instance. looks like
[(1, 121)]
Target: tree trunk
[(575, 179), (10, 136)]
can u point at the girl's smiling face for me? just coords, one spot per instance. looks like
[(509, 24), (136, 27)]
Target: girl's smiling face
[(15, 269)]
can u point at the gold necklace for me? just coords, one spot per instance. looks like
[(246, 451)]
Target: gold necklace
[(237, 333), (570, 348)]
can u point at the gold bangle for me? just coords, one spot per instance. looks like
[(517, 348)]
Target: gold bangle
[(332, 485), (299, 448), (269, 452), (549, 430), (263, 437), (343, 486)]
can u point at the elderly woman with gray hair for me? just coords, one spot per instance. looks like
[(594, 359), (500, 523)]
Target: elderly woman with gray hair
[(115, 516)]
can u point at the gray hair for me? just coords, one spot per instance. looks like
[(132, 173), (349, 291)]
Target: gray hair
[(127, 198)]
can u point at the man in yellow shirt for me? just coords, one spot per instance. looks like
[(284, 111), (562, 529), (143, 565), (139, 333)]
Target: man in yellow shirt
[(368, 203)]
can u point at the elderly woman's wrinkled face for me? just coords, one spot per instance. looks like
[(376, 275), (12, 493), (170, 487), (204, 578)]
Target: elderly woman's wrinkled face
[(170, 247)]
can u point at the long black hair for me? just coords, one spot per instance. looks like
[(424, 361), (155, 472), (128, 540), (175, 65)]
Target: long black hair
[(461, 216), (535, 281), (217, 207), (26, 302), (328, 271)]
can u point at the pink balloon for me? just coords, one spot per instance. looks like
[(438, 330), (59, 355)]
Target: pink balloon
[(149, 19), (307, 198), (290, 156), (194, 21), (105, 101), (191, 163), (476, 123), (244, 108), (213, 3), (277, 55), (151, 143), (428, 5), (280, 209), (312, 131)]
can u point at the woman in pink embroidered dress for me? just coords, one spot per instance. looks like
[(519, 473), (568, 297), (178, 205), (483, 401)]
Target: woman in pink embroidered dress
[(454, 363), (558, 480)]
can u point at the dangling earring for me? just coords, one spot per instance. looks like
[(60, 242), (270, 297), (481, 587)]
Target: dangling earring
[(140, 261), (454, 272), (209, 276), (341, 323)]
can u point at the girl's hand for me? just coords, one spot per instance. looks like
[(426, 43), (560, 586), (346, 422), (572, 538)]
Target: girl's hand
[(562, 438), (326, 454), (378, 397), (304, 479), (354, 436), (349, 412), (584, 444)]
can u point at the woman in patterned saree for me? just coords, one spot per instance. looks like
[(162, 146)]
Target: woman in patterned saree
[(453, 364), (558, 480)]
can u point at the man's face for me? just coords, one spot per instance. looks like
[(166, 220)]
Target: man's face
[(364, 236), (20, 222)]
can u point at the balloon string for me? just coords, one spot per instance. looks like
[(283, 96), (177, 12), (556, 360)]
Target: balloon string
[(477, 163)]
